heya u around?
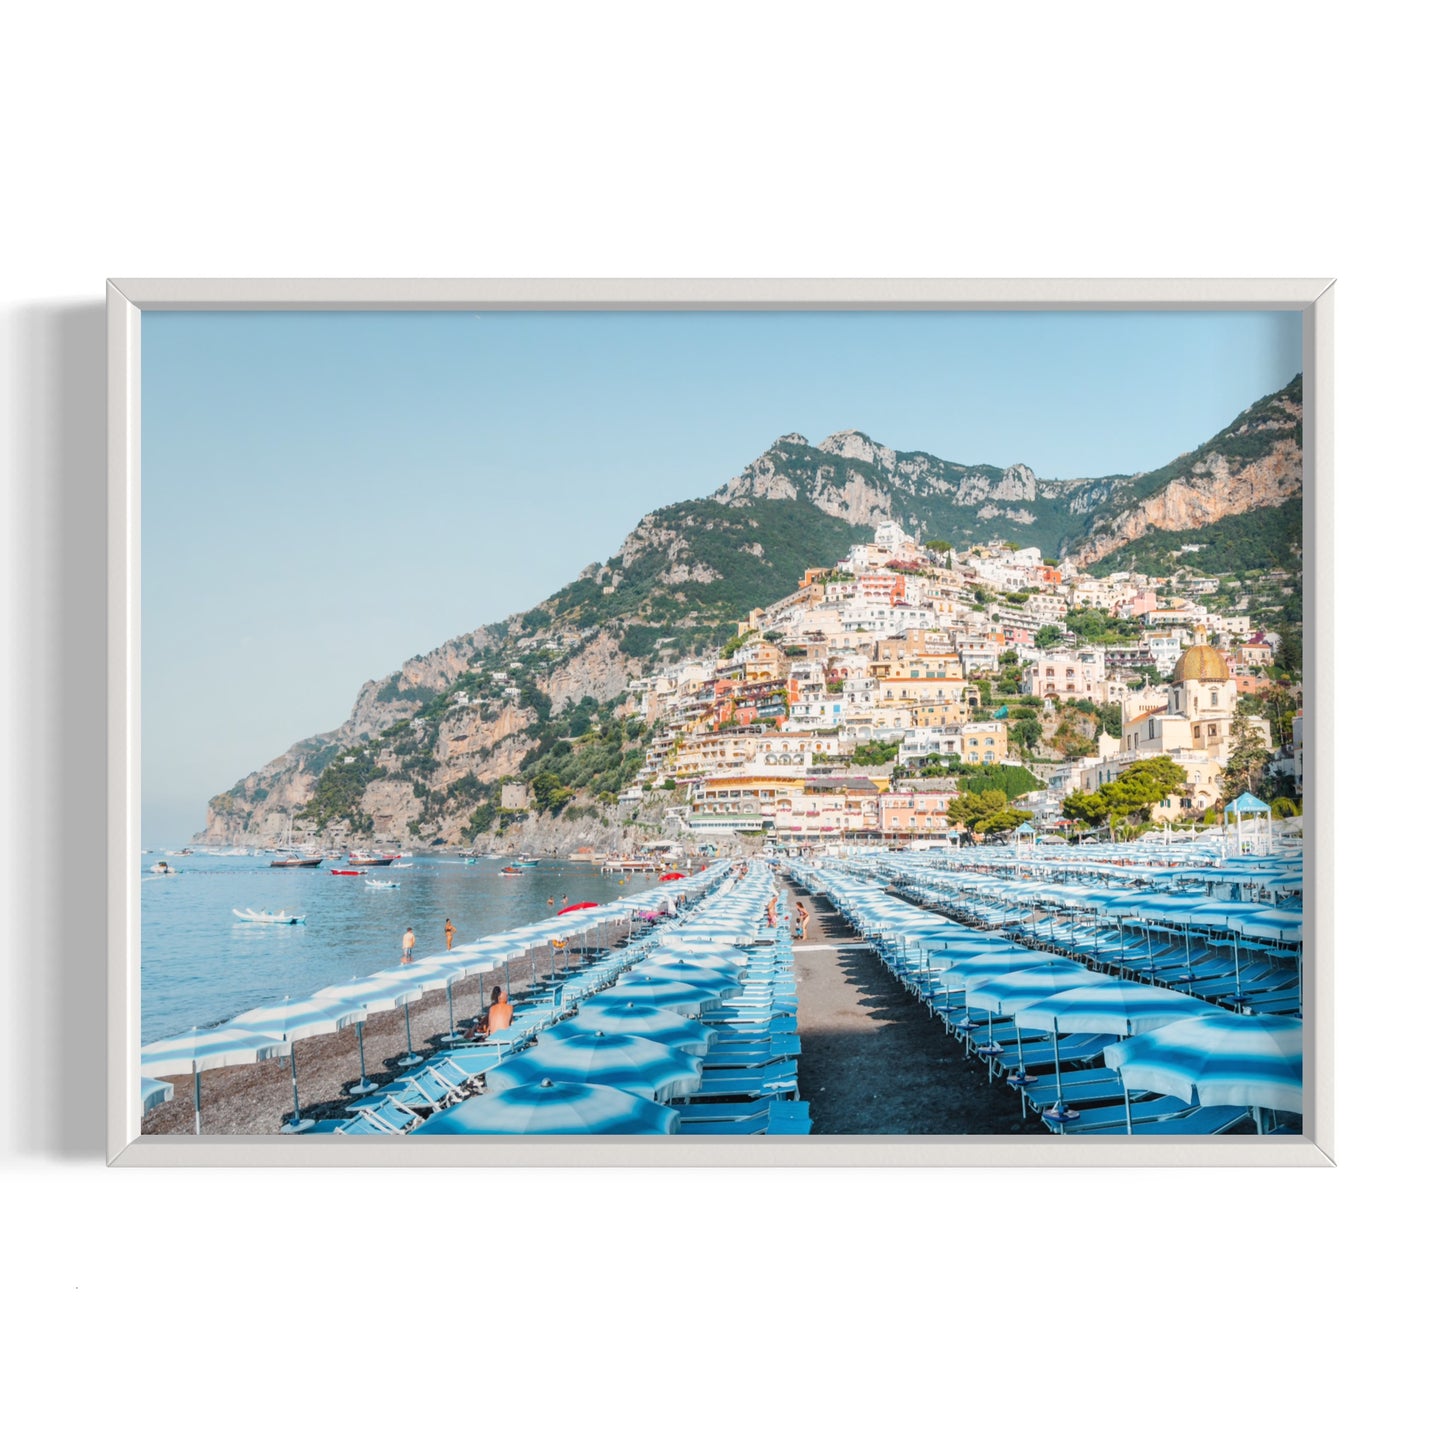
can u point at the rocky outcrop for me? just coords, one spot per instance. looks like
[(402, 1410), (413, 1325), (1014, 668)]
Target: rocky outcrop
[(1214, 488)]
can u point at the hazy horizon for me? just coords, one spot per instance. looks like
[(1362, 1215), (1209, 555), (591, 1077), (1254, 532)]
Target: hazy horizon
[(326, 494)]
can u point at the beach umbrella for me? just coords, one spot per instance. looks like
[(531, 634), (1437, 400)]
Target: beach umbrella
[(1005, 993), (1223, 1058), (371, 994), (1123, 1008), (577, 907), (685, 998), (153, 1093), (429, 976), (203, 1048), (728, 978), (604, 1059), (657, 1024), (291, 1021), (554, 1108)]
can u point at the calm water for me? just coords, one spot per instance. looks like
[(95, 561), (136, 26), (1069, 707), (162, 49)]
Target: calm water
[(200, 965)]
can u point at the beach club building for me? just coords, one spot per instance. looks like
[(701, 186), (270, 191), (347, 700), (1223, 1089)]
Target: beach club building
[(910, 816)]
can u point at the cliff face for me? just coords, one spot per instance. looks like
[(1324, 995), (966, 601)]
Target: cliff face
[(1214, 489), (429, 743)]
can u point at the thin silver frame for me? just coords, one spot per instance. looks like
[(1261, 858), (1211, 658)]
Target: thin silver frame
[(126, 302)]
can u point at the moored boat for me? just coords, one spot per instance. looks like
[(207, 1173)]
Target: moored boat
[(345, 872), (278, 919), (295, 861)]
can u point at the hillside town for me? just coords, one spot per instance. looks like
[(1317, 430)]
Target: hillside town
[(849, 710)]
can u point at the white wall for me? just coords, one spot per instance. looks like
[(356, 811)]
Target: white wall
[(279, 140)]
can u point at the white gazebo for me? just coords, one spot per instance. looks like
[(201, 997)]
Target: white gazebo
[(1247, 805)]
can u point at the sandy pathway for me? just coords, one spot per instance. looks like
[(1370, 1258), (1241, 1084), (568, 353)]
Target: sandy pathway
[(873, 1060)]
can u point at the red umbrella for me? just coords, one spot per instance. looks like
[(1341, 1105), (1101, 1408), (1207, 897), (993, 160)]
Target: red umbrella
[(673, 877), (576, 907)]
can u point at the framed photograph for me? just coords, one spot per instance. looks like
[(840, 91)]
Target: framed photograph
[(720, 722)]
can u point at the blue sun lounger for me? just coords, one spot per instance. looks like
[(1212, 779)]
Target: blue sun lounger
[(1201, 1122), (1091, 1119), (1093, 1084)]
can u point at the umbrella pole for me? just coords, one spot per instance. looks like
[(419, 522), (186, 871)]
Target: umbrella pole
[(197, 1074), (362, 1087), (1128, 1114)]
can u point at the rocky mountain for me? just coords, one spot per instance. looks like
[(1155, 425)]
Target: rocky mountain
[(425, 748)]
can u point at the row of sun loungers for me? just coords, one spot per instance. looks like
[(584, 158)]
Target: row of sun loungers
[(749, 1081), (1082, 1095)]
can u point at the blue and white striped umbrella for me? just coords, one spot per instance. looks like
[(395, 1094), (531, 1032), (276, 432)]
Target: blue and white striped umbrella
[(293, 1020), (1226, 1059), (681, 997), (1009, 992), (603, 1059), (153, 1093), (632, 1019), (551, 1108), (372, 994), (1123, 1008), (727, 980), (203, 1048)]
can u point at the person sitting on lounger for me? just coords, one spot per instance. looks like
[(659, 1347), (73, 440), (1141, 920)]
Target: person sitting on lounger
[(498, 1018)]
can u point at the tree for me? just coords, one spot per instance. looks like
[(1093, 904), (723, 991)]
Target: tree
[(1028, 732), (1248, 760), (1048, 636), (550, 793), (1131, 798), (984, 812)]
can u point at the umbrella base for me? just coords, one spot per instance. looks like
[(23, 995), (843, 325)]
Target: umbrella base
[(410, 1060), (300, 1124), (363, 1088), (452, 1036)]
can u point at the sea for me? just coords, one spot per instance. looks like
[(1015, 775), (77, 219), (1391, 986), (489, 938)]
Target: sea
[(200, 965)]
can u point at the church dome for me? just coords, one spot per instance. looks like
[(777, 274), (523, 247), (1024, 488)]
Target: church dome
[(1201, 663)]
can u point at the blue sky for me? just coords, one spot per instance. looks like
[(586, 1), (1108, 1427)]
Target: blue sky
[(327, 494)]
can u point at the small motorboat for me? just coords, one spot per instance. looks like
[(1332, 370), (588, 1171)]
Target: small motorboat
[(295, 861), (361, 859), (383, 886), (277, 919), (164, 869), (402, 866), (345, 872), (511, 872)]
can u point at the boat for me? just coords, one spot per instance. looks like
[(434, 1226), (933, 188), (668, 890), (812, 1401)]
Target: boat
[(295, 861), (375, 882), (402, 866), (345, 872), (278, 919), (361, 859), (164, 869), (511, 872), (525, 861)]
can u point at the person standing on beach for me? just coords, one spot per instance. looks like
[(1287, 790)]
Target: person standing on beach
[(773, 911), (451, 932), (801, 926), (408, 942)]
